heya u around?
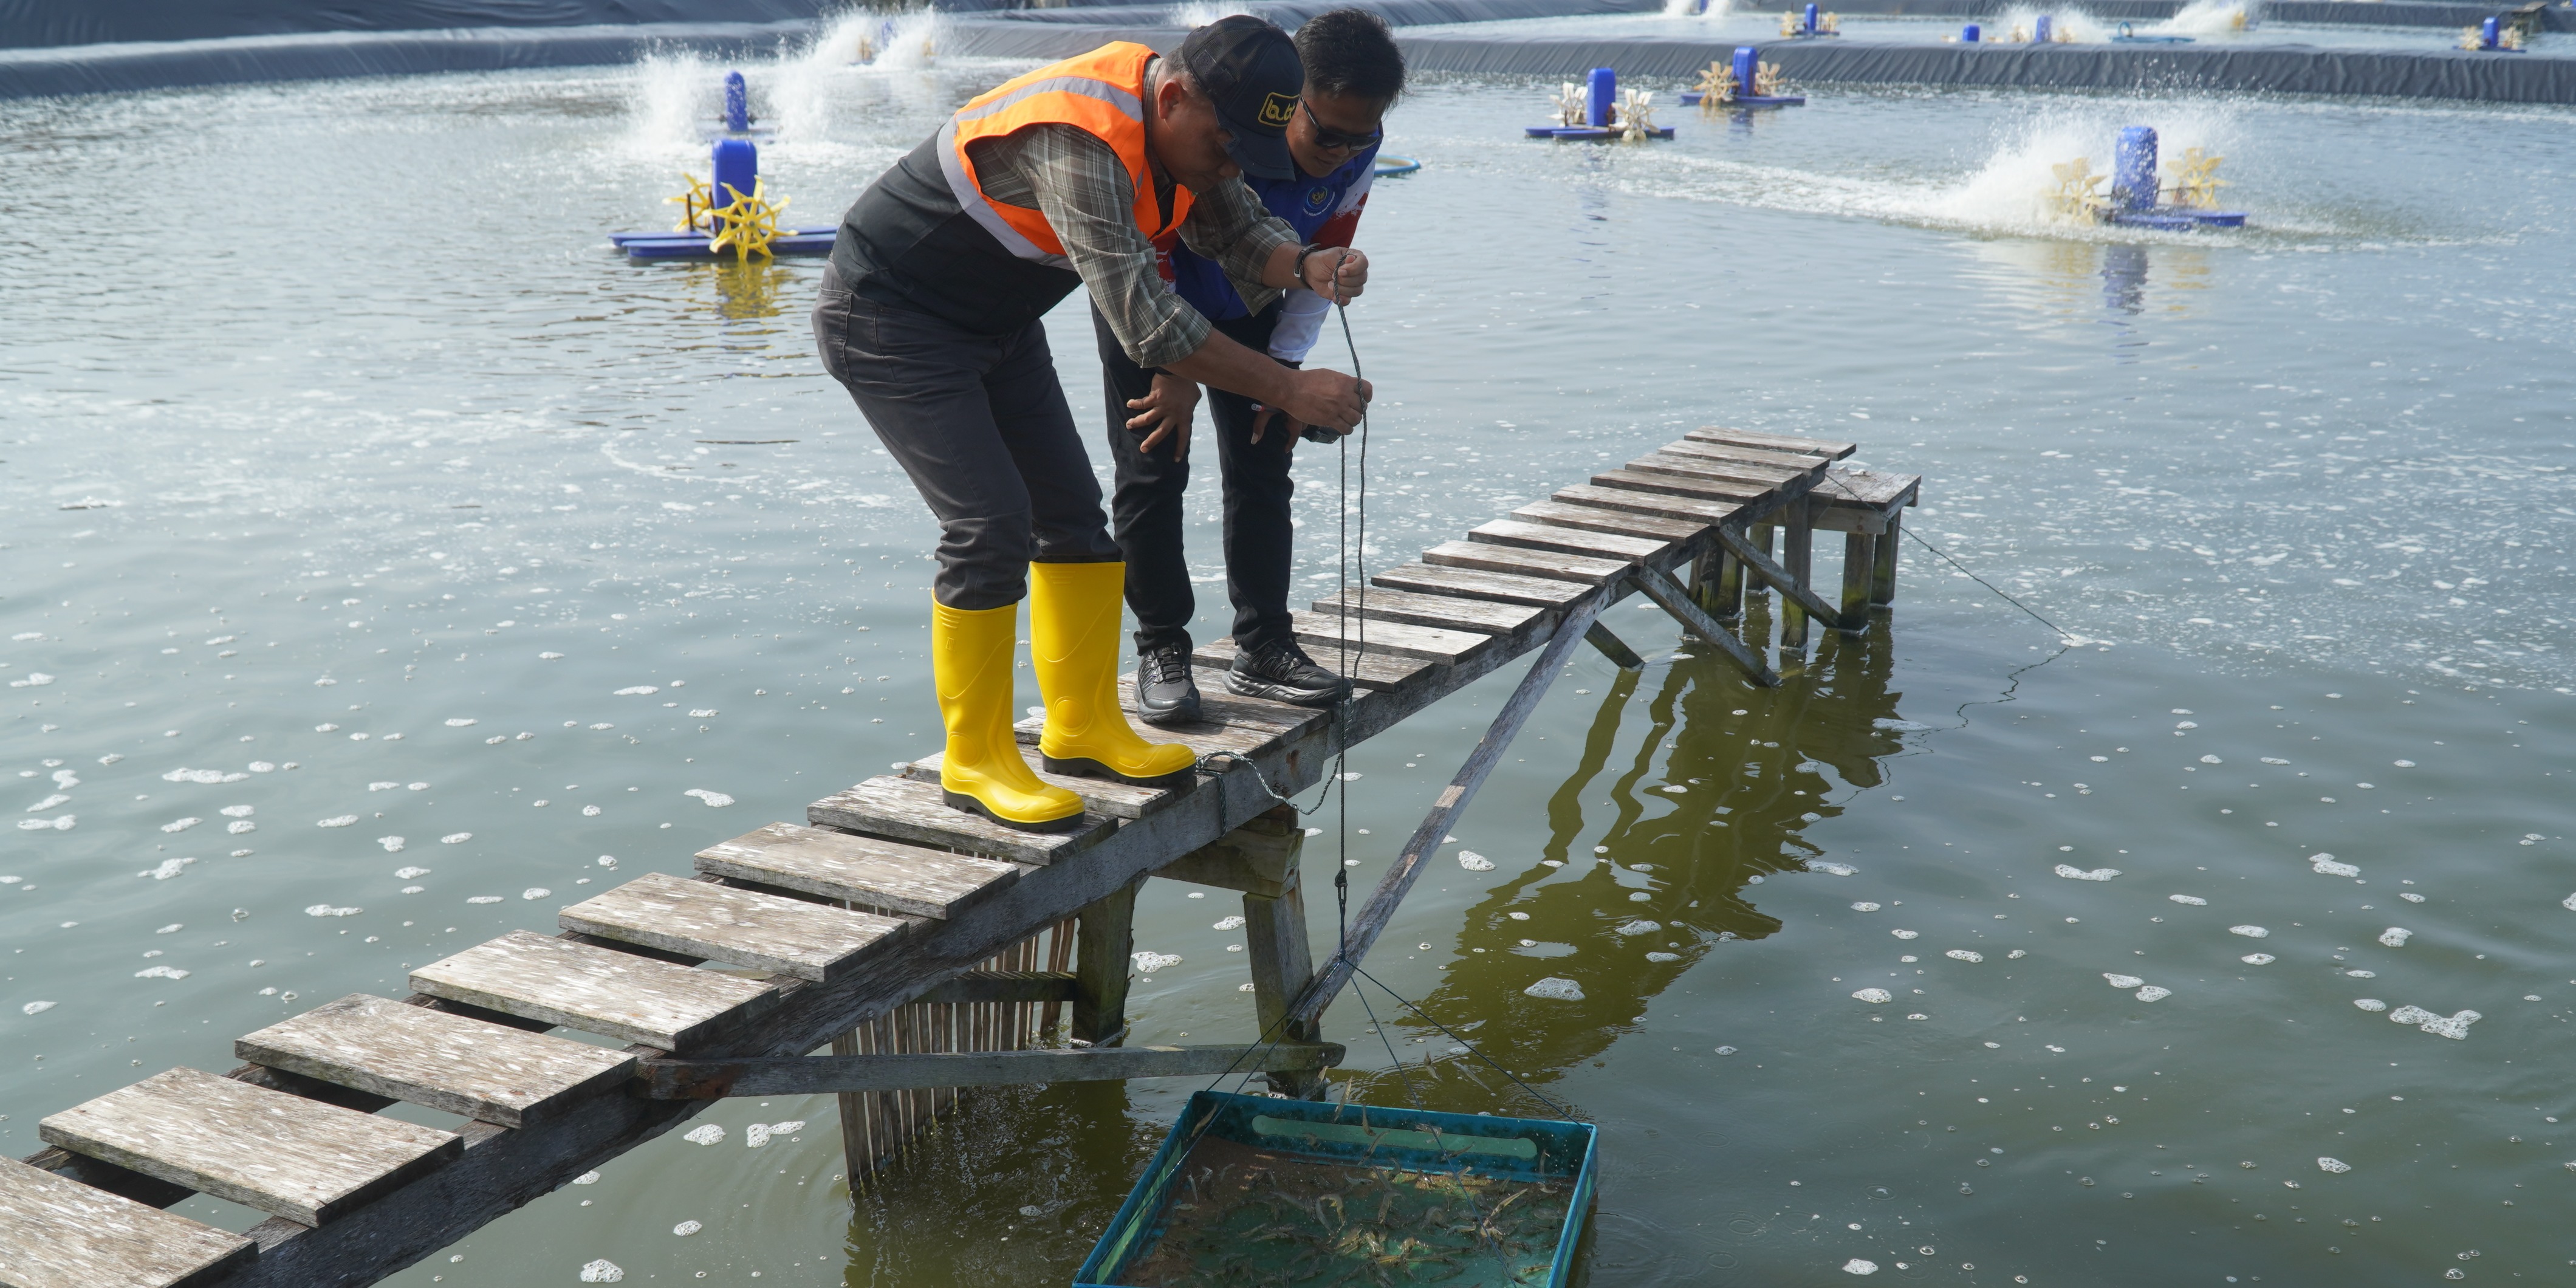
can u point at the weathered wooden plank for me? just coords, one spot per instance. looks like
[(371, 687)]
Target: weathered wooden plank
[(1772, 442), (301, 1159), (1366, 670), (1468, 583), (1753, 498), (901, 810), (1099, 795), (1797, 551), (597, 990), (1730, 453), (817, 1074), (1594, 518), (863, 870), (1665, 505), (1319, 631), (1483, 616), (1219, 705), (1512, 560), (1882, 577), (1573, 541), (1453, 800), (58, 1233), (1677, 601), (742, 927), (1203, 738), (1104, 938), (1718, 471), (1873, 489), (463, 1066)]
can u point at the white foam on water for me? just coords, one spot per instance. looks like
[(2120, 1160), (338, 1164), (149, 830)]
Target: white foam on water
[(788, 1128), (410, 874), (1229, 923), (2371, 1004), (602, 1271), (2122, 981), (161, 972), (2333, 1166), (2361, 974), (338, 820), (326, 910), (2396, 936), (1831, 868), (1638, 927), (171, 929), (1904, 934), (61, 824), (2189, 900), (2324, 865), (586, 1178), (2079, 874), (637, 690), (238, 811), (168, 868), (1864, 907), (2411, 1015), (2151, 993), (714, 800), (1856, 1266), (535, 892), (483, 898), (456, 838), (2206, 18), (1964, 955), (687, 1228), (2258, 959), (1556, 988), (181, 824), (2017, 954), (1661, 956), (34, 680), (2250, 932), (37, 1008), (47, 803), (1474, 862), (1873, 996), (2412, 897), (2454, 1027), (1149, 962), (707, 1134)]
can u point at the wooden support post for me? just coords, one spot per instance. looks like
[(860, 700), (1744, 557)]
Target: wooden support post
[(1797, 557), (1452, 802), (1791, 588), (1613, 648), (1882, 583), (1663, 590), (1726, 602), (1860, 554), (1282, 966), (1104, 939), (858, 1151), (1759, 536)]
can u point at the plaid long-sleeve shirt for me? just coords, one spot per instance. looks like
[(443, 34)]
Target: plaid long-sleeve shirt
[(1081, 186)]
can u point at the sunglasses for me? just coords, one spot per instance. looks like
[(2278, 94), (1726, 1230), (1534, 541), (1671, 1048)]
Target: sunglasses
[(1332, 140)]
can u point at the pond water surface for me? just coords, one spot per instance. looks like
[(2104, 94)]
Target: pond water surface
[(389, 565)]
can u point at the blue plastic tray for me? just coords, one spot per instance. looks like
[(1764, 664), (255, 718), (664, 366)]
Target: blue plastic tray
[(1352, 1140)]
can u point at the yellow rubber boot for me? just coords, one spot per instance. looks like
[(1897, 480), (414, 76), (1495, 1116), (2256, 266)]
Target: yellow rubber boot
[(982, 770), (1073, 640)]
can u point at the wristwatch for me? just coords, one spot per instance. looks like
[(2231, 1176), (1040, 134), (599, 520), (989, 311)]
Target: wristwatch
[(1299, 271)]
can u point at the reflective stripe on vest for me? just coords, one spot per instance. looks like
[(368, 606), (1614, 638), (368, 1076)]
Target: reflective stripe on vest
[(1101, 93)]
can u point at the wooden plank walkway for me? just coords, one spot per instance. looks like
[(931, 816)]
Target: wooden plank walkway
[(907, 936)]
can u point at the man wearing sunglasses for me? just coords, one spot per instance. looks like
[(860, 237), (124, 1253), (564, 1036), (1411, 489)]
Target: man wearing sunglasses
[(1354, 73)]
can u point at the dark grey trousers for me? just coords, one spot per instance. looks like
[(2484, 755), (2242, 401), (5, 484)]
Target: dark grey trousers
[(980, 424)]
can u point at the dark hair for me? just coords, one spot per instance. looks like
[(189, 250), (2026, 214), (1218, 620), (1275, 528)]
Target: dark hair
[(1350, 52)]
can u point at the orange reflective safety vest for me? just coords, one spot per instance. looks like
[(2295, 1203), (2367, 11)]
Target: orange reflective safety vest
[(924, 235)]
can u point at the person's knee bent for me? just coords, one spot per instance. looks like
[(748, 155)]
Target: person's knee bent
[(983, 562)]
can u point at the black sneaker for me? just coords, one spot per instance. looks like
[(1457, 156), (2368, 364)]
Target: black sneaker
[(1165, 693), (1285, 674)]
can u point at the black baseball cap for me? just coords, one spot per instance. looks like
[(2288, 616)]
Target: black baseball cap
[(1249, 68)]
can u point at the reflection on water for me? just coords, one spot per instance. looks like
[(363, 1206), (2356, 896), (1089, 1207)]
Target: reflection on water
[(1715, 794)]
